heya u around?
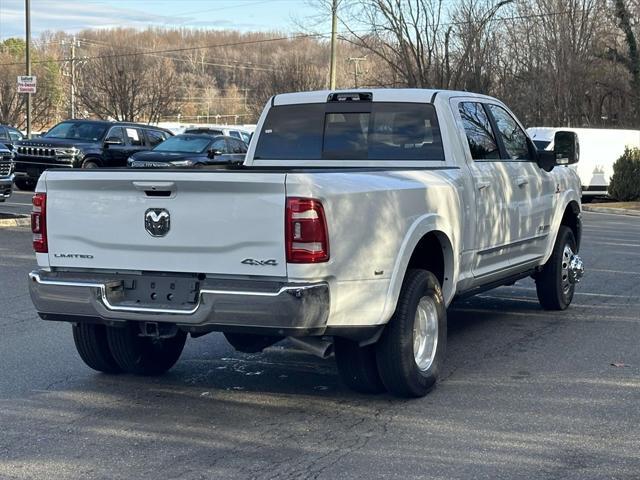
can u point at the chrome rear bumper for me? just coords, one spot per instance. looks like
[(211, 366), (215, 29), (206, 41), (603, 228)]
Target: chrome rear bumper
[(281, 308)]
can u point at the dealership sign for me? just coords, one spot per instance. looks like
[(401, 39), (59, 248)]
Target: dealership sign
[(27, 84)]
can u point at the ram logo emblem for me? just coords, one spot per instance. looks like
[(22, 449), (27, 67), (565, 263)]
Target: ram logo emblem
[(157, 222)]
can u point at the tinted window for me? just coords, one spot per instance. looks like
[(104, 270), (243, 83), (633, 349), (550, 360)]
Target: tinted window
[(237, 146), (3, 134), (234, 133), (513, 137), (14, 134), (84, 131), (116, 132), (220, 145), (155, 137), (292, 132), (345, 136), (477, 127), (134, 136), (390, 131), (184, 143), (405, 131)]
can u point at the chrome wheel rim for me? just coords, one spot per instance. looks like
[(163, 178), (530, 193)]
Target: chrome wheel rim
[(565, 280), (425, 333)]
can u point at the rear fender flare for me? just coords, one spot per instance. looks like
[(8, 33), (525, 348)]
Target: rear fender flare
[(421, 227)]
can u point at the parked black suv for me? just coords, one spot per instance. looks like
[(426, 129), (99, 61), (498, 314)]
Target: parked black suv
[(82, 144)]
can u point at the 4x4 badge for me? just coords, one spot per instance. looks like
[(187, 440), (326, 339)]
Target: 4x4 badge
[(258, 263), (157, 222)]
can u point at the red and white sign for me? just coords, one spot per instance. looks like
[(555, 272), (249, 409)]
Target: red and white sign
[(27, 84)]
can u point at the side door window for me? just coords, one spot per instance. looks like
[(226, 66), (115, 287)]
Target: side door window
[(234, 133), (154, 137), (513, 137), (116, 132), (3, 134), (134, 137), (477, 127), (237, 146), (219, 145)]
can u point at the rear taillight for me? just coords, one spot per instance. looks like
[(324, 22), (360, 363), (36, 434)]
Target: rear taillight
[(306, 231), (39, 222)]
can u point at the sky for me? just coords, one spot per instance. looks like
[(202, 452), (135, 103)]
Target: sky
[(75, 15)]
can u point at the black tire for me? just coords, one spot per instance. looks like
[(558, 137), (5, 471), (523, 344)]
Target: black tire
[(25, 184), (93, 348), (90, 164), (397, 365), (549, 282), (357, 366), (144, 355), (250, 343)]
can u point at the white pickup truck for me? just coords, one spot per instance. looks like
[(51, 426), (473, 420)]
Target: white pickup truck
[(356, 219)]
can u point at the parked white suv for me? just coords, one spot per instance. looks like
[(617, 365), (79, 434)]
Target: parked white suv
[(355, 221)]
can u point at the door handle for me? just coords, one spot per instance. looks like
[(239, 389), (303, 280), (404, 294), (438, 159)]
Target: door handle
[(522, 181), (483, 184)]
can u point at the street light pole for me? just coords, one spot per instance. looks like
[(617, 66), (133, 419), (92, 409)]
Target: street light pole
[(27, 4), (334, 27)]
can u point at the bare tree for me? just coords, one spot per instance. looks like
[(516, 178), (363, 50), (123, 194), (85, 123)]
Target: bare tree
[(124, 84)]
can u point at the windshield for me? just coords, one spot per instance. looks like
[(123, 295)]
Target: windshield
[(378, 131), (184, 144), (87, 131)]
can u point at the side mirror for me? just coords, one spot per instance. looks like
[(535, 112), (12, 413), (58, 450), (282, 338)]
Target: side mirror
[(113, 141), (566, 147), (214, 153), (566, 151)]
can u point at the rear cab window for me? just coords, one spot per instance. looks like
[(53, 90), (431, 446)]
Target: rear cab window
[(351, 131)]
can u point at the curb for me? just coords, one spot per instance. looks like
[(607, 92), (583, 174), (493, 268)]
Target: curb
[(614, 211), (18, 221)]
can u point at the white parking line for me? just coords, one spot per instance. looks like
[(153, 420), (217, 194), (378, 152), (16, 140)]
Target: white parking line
[(605, 295), (557, 315), (613, 271), (531, 300), (620, 244)]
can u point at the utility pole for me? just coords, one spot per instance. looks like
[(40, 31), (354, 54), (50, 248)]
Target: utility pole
[(72, 87), (356, 68), (27, 4), (334, 27)]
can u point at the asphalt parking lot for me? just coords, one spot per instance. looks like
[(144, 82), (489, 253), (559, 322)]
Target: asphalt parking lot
[(525, 394), (18, 203)]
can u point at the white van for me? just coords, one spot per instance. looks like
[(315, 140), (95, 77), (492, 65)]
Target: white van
[(599, 149)]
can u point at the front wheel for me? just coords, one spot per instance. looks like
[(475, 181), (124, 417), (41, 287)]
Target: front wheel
[(144, 355), (90, 164), (555, 284), (25, 184), (412, 347)]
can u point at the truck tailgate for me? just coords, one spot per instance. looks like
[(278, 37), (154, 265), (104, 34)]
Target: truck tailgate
[(219, 222)]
